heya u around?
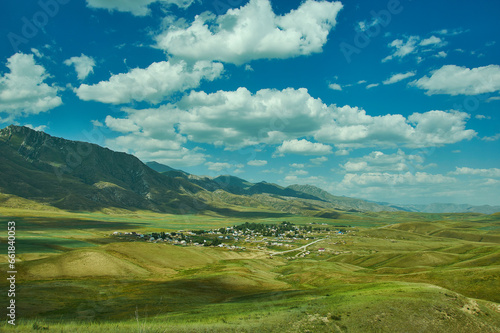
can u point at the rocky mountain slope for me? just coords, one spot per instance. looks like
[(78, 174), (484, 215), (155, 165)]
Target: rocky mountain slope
[(83, 176)]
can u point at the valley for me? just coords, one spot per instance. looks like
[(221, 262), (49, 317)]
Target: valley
[(368, 272)]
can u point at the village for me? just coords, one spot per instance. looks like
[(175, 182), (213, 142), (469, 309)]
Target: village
[(277, 238)]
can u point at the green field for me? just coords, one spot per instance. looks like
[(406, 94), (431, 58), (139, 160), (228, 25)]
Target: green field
[(392, 272)]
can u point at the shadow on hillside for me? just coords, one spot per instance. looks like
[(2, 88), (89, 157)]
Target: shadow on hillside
[(234, 213)]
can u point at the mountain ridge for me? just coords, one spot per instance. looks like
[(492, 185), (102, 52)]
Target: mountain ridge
[(77, 175)]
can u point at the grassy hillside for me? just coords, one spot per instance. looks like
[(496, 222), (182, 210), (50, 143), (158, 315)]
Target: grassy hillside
[(389, 272)]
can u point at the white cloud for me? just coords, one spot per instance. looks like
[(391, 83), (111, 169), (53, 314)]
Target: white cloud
[(218, 166), (364, 25), (481, 117), (299, 173), (402, 48), (415, 45), (372, 85), (398, 77), (342, 152), (150, 134), (23, 91), (84, 65), (252, 32), (40, 128), (488, 173), (453, 32), (394, 179), (319, 160), (164, 151), (37, 52), (335, 86), (97, 123), (455, 80), (379, 162), (352, 127), (152, 84), (257, 163), (121, 125), (494, 98), (303, 147), (441, 54), (136, 7), (237, 119), (439, 127), (297, 165), (491, 138), (295, 179), (433, 40)]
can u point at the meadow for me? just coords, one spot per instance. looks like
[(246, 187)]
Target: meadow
[(392, 272)]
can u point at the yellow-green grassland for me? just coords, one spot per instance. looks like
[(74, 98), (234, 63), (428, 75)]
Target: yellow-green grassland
[(362, 272)]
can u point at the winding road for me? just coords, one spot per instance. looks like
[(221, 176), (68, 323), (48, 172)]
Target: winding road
[(302, 248)]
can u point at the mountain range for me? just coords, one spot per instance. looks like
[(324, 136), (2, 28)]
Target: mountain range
[(81, 176)]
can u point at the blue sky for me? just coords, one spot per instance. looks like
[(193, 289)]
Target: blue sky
[(392, 101)]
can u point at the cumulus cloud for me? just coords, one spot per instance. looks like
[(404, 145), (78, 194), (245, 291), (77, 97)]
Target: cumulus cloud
[(150, 134), (303, 147), (372, 85), (394, 179), (398, 77), (257, 163), (377, 161), (352, 127), (84, 65), (153, 84), (456, 80), (252, 32), (23, 91), (237, 119), (488, 173), (135, 7)]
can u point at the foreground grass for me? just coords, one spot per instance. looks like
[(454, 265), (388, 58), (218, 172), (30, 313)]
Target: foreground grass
[(378, 307)]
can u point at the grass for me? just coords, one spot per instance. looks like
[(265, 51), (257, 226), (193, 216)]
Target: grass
[(394, 272)]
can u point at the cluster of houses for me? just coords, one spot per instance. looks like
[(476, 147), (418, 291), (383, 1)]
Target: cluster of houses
[(260, 236)]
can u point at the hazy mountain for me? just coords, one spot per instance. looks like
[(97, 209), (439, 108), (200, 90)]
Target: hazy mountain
[(342, 202), (449, 208)]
